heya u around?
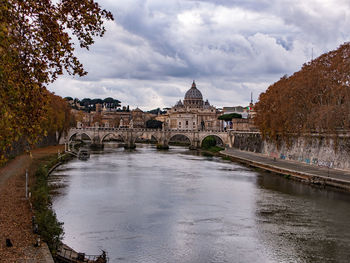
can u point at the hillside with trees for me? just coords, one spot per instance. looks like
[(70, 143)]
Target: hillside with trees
[(314, 99), (89, 105)]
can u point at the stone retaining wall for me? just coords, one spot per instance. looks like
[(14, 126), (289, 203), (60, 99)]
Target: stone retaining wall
[(320, 150), (251, 142)]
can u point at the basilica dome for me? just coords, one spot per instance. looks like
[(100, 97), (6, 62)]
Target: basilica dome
[(193, 93), (193, 97)]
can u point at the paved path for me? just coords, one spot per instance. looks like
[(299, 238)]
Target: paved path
[(15, 213), (309, 173)]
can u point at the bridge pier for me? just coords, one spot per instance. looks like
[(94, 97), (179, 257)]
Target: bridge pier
[(129, 145), (195, 143), (96, 143), (97, 146), (130, 142), (163, 145)]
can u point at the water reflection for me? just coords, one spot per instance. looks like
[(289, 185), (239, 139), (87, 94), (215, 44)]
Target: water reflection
[(302, 223), (176, 206)]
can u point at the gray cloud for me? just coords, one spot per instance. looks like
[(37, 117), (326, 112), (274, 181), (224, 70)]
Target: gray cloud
[(154, 49)]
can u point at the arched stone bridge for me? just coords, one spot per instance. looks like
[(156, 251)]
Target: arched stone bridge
[(98, 134)]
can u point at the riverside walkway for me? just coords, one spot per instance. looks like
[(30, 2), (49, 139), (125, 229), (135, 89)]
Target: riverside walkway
[(15, 212), (308, 173)]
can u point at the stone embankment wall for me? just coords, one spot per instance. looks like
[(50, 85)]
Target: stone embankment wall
[(324, 151), (20, 146), (247, 141)]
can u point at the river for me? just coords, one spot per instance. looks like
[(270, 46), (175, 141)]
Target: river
[(178, 206)]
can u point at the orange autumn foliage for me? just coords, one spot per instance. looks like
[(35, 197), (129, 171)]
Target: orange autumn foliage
[(58, 117), (314, 99), (36, 47)]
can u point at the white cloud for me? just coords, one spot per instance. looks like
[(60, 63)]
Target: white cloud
[(154, 49)]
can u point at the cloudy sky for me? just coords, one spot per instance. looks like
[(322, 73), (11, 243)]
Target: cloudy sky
[(155, 48)]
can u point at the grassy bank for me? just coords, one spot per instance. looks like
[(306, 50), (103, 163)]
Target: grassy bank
[(209, 145), (49, 228), (214, 149)]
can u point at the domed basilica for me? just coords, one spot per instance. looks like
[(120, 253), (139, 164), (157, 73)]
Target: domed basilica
[(193, 113)]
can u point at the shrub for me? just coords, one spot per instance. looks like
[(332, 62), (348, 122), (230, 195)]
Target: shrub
[(153, 124), (208, 142), (230, 116), (50, 229)]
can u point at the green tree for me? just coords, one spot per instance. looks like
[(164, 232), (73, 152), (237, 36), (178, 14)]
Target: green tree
[(156, 111), (208, 142), (97, 101), (35, 47), (154, 124), (230, 116), (111, 103)]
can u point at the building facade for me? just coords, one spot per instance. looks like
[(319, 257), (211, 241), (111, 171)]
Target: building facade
[(193, 113), (103, 117)]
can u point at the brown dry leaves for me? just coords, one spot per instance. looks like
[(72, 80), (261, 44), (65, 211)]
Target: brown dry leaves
[(15, 223), (15, 212), (35, 47), (314, 99)]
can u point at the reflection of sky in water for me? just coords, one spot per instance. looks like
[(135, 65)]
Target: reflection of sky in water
[(173, 206)]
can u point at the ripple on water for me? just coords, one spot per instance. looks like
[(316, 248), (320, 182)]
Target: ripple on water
[(154, 206)]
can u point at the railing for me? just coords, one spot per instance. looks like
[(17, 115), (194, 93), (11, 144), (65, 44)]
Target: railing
[(68, 255), (146, 130)]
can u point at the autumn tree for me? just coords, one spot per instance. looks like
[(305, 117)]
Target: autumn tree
[(59, 118), (36, 46), (314, 99)]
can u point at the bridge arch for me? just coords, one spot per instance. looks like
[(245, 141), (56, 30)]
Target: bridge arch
[(147, 135), (217, 137), (79, 134), (114, 134), (182, 135)]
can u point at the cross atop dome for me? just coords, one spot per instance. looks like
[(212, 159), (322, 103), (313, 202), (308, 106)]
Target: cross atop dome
[(194, 85)]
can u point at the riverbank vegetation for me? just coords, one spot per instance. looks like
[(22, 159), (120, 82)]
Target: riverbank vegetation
[(314, 99), (49, 228), (35, 48), (210, 144)]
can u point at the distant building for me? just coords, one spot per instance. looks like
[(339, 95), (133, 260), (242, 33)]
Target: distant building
[(103, 117), (193, 113), (246, 123), (236, 109)]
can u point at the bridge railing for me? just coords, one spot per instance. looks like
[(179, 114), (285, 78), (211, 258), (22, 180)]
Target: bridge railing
[(147, 130)]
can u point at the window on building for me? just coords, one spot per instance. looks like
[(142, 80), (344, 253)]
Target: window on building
[(186, 123)]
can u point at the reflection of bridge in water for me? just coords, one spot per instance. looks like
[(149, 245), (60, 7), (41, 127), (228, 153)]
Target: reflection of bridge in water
[(98, 135)]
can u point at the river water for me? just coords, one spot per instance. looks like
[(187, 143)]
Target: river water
[(178, 206)]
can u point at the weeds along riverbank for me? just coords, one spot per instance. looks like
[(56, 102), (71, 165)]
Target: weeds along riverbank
[(45, 222)]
